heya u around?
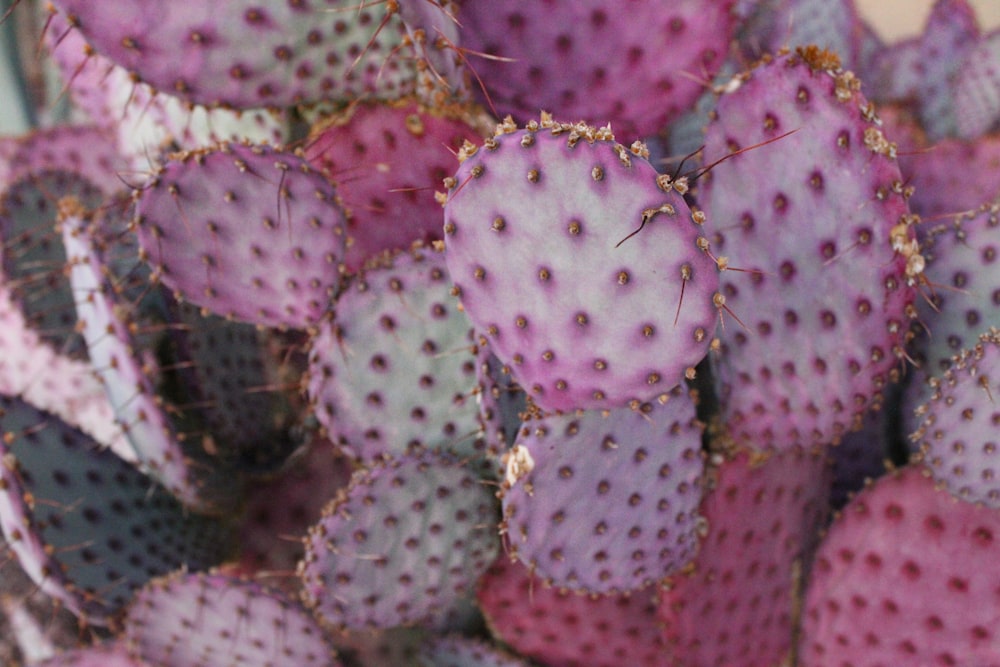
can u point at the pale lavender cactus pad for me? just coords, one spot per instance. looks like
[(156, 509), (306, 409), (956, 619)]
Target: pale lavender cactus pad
[(109, 654), (212, 618), (539, 241), (822, 309), (956, 435), (393, 371), (421, 522), (631, 480)]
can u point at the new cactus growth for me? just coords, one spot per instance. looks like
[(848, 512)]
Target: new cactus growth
[(395, 332)]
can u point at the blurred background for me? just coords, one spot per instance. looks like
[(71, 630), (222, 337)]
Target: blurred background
[(898, 19)]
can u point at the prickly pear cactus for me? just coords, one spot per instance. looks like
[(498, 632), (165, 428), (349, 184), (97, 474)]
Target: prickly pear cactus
[(868, 601), (631, 479), (558, 240), (86, 525), (394, 371), (422, 522), (249, 232), (465, 332), (206, 618), (821, 307)]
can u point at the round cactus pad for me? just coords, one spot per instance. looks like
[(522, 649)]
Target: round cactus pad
[(248, 232), (212, 619), (539, 241), (402, 545), (606, 501)]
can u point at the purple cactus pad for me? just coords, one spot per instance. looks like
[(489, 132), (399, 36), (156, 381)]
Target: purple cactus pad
[(248, 232), (585, 269), (628, 480)]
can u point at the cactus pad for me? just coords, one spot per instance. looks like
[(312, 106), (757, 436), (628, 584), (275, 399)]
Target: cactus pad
[(425, 524), (904, 577), (628, 480), (826, 237), (248, 232), (537, 234), (207, 619), (87, 526), (394, 370), (247, 54)]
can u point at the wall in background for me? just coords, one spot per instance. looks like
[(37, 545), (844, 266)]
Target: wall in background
[(898, 19)]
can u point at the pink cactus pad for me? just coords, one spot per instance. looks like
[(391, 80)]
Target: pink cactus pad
[(737, 606), (651, 64), (953, 176), (559, 628), (386, 160), (905, 576), (111, 327), (247, 54), (976, 88)]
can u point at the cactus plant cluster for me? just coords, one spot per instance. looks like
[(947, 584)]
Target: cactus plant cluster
[(472, 333)]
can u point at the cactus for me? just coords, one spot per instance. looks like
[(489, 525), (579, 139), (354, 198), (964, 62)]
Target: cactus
[(472, 332), (587, 236), (630, 480), (194, 618), (392, 372), (839, 174), (868, 602)]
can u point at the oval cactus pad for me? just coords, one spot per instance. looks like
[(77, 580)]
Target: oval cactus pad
[(628, 480), (537, 235), (86, 525), (247, 53), (248, 232), (404, 544), (819, 216), (736, 604), (213, 619), (394, 370)]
